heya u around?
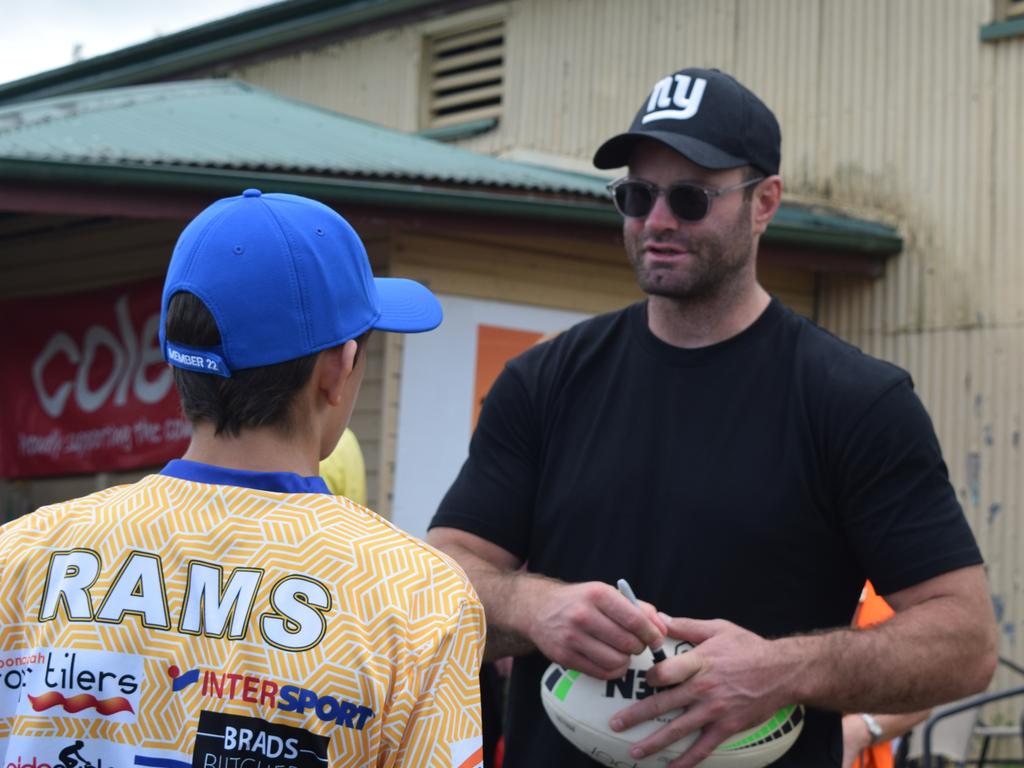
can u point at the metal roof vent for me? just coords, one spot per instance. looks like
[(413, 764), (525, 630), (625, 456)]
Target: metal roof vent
[(464, 75)]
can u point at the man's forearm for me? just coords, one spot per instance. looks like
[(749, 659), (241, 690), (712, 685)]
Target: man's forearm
[(497, 591), (501, 592), (929, 654)]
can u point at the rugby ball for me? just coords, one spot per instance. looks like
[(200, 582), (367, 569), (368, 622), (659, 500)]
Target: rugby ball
[(580, 708)]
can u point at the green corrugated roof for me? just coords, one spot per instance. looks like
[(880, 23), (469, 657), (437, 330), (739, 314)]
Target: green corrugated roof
[(818, 226), (221, 135), (233, 125)]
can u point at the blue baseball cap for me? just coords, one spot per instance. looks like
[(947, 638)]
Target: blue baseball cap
[(284, 277)]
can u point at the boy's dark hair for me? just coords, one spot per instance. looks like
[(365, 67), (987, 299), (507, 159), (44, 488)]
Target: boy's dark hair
[(254, 397)]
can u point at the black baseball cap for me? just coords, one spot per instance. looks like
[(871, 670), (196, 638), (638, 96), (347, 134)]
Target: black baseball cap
[(708, 117)]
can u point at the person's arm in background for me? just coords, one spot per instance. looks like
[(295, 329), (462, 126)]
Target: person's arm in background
[(865, 735), (588, 626), (857, 737)]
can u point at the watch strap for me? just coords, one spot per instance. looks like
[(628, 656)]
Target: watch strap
[(873, 727)]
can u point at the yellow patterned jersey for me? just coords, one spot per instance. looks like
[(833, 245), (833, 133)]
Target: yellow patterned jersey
[(209, 618)]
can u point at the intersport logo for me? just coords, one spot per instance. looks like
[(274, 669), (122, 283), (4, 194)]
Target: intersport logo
[(271, 694)]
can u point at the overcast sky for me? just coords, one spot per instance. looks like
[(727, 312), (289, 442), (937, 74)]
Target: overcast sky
[(37, 35)]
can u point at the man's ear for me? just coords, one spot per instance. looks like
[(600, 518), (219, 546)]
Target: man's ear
[(335, 368), (767, 199)]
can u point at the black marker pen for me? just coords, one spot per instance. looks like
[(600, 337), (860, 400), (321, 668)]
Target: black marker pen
[(627, 592)]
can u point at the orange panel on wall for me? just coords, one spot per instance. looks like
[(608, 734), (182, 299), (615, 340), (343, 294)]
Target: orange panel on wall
[(494, 347)]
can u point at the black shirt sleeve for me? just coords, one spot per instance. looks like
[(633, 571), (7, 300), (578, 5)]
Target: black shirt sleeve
[(892, 489), (493, 494)]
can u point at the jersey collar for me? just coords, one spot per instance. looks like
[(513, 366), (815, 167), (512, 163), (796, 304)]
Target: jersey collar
[(282, 482)]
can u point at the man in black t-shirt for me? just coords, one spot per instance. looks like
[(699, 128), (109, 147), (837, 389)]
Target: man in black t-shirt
[(745, 471)]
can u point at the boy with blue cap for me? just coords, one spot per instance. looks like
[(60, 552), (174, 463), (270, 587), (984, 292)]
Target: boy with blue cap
[(229, 608)]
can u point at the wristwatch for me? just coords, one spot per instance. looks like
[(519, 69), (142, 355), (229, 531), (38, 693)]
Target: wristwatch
[(873, 727)]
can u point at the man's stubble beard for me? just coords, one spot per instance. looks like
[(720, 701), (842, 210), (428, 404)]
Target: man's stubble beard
[(717, 259)]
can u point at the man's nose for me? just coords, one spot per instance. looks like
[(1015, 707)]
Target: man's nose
[(661, 217)]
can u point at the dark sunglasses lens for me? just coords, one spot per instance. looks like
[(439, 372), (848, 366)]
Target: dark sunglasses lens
[(633, 200), (688, 202)]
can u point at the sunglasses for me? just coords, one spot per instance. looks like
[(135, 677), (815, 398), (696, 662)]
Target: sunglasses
[(635, 198)]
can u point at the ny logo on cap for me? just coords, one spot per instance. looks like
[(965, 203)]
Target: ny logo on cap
[(675, 90)]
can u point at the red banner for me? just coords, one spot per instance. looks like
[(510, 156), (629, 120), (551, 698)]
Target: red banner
[(83, 386)]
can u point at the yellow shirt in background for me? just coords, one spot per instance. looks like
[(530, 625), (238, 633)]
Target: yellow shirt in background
[(344, 470)]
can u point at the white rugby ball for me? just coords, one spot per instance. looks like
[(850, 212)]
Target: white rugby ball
[(581, 706)]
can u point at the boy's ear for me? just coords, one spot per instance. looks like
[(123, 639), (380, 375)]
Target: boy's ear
[(334, 368)]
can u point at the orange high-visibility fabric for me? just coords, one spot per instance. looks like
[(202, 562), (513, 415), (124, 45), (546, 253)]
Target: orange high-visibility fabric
[(873, 610)]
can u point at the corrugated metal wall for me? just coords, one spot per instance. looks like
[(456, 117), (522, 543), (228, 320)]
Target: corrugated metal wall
[(375, 78), (943, 152)]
